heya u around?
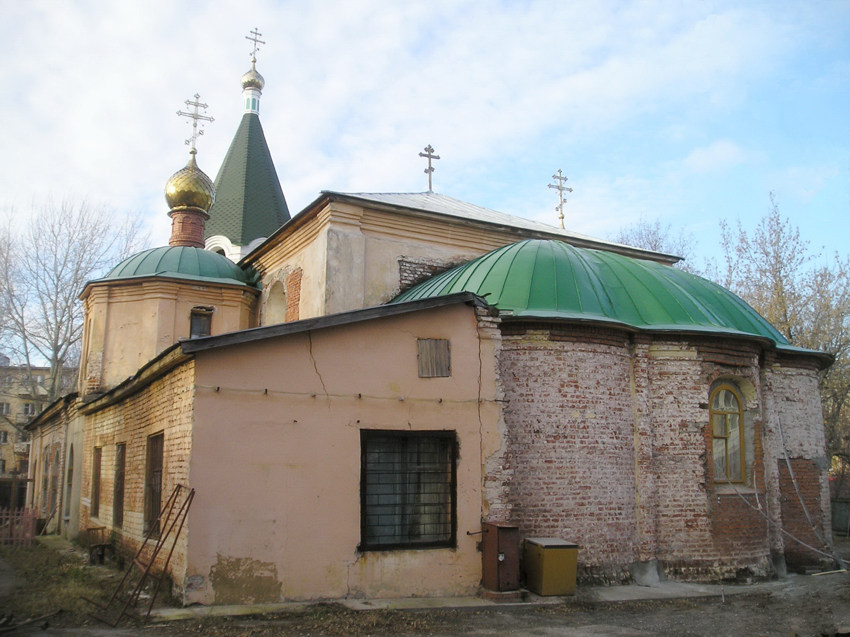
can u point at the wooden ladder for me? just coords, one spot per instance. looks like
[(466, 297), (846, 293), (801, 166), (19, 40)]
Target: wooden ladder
[(142, 565)]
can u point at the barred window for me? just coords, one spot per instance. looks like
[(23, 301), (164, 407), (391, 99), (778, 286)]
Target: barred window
[(408, 489)]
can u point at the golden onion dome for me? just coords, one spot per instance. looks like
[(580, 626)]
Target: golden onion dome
[(252, 79), (190, 188)]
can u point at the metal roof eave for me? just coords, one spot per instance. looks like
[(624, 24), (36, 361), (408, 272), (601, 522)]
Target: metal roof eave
[(191, 346)]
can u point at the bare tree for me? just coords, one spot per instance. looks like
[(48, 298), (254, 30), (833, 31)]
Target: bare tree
[(652, 235), (805, 296), (46, 262)]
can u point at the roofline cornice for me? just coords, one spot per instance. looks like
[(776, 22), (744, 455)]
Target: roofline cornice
[(822, 359)]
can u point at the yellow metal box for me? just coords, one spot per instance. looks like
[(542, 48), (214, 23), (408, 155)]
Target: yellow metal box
[(549, 564)]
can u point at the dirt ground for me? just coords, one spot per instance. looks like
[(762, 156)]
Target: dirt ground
[(40, 581)]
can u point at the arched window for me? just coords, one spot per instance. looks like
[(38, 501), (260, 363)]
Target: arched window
[(727, 434), (275, 310)]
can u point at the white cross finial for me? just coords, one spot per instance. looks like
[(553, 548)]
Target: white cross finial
[(429, 153), (195, 116), (561, 188)]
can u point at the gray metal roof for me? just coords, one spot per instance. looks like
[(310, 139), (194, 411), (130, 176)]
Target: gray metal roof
[(433, 202)]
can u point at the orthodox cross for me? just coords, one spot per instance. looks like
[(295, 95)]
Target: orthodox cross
[(195, 116), (255, 38), (561, 188), (429, 153)]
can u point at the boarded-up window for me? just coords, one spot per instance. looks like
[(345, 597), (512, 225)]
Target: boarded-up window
[(434, 358), (118, 488), (95, 482), (408, 489), (153, 484)]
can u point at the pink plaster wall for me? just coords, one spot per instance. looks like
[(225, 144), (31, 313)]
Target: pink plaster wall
[(276, 459)]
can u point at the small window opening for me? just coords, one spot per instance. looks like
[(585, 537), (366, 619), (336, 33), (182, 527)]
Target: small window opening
[(200, 322)]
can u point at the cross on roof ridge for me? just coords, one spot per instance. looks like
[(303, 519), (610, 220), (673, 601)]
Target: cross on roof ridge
[(429, 153), (561, 188)]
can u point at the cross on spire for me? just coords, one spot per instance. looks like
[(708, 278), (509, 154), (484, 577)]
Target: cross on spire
[(561, 188), (255, 38), (195, 116), (429, 153)]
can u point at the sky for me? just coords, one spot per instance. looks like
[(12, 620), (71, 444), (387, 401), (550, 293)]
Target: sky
[(688, 112)]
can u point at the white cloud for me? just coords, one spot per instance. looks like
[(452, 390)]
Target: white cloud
[(717, 156), (356, 88)]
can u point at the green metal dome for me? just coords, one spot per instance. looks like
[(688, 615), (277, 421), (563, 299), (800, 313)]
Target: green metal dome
[(552, 279), (180, 262)]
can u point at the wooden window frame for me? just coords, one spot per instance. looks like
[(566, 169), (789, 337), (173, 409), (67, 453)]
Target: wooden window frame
[(712, 412), (200, 316), (367, 541)]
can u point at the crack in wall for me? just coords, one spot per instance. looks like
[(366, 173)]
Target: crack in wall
[(313, 360)]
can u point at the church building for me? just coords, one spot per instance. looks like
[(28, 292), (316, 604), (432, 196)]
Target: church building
[(354, 391)]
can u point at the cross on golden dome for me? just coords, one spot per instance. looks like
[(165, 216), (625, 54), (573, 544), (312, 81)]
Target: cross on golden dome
[(195, 116)]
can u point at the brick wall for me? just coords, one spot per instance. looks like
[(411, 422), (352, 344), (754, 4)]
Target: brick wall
[(794, 518), (569, 444), (164, 405), (607, 443), (412, 271), (293, 294)]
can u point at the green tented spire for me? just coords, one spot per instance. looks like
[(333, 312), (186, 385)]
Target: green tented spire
[(249, 200)]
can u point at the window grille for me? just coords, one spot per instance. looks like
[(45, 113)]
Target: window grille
[(4, 437), (408, 489), (5, 409), (434, 358)]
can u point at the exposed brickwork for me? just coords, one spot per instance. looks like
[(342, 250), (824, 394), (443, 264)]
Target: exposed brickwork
[(293, 294), (794, 519), (569, 446), (608, 443), (187, 227), (165, 405), (412, 271)]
